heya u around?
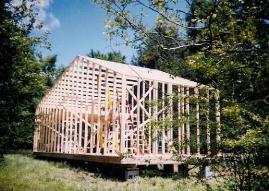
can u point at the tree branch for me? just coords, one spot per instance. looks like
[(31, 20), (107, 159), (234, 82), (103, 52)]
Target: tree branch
[(167, 18)]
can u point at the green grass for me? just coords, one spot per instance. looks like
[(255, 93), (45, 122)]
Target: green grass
[(22, 173)]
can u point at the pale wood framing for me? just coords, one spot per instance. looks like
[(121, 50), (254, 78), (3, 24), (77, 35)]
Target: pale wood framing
[(100, 108)]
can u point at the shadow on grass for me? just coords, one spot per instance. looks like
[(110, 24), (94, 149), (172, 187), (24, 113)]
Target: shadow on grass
[(111, 172), (98, 170)]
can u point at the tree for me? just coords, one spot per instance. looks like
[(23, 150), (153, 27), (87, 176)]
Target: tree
[(236, 60), (50, 69), (22, 80), (110, 56), (227, 45), (151, 55)]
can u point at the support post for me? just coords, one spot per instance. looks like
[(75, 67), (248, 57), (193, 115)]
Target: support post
[(218, 121), (49, 130), (123, 114), (163, 119), (92, 135), (188, 120), (99, 110), (63, 140), (107, 94), (115, 134), (170, 117), (138, 116), (207, 123), (150, 112), (86, 113), (155, 110), (183, 119), (196, 91), (179, 118)]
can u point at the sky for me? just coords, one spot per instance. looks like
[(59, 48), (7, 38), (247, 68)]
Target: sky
[(76, 26)]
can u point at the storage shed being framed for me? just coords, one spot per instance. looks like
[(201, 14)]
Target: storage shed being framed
[(108, 112)]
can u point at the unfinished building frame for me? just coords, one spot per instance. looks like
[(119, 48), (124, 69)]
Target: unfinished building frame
[(109, 112)]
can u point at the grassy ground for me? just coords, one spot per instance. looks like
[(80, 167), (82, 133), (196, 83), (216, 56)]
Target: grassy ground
[(22, 173)]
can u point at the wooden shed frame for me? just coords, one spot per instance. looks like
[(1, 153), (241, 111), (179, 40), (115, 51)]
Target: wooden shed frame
[(116, 113)]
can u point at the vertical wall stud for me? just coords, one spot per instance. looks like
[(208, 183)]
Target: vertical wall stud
[(196, 91), (138, 115), (99, 79), (183, 119), (217, 105), (123, 114), (207, 123), (179, 118), (114, 127), (170, 116), (107, 93)]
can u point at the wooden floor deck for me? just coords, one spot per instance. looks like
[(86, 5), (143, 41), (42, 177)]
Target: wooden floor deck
[(121, 160), (82, 157)]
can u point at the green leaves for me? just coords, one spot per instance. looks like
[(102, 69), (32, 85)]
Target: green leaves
[(223, 44), (110, 56), (22, 81)]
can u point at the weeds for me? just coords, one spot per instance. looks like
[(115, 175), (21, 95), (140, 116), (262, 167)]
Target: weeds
[(23, 172)]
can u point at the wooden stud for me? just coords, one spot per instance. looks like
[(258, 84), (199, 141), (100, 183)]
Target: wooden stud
[(68, 134), (142, 130), (170, 117), (42, 136), (99, 79), (106, 112), (150, 150), (163, 119), (67, 125), (188, 120), (217, 105), (56, 146), (48, 130), (59, 131), (63, 127), (138, 115), (93, 132), (75, 139), (50, 136), (114, 128), (55, 130), (207, 123), (80, 115), (123, 115), (196, 91), (155, 110), (86, 126), (182, 90), (179, 118)]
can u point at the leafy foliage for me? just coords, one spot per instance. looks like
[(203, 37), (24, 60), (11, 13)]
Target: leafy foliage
[(23, 76), (110, 56), (150, 54), (50, 69), (225, 45)]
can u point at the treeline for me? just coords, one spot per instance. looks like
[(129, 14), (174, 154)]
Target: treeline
[(24, 74)]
